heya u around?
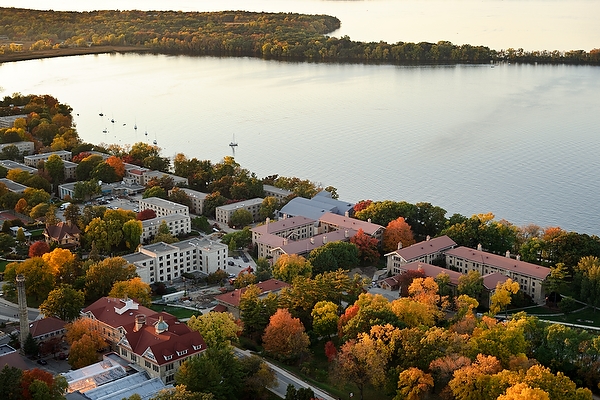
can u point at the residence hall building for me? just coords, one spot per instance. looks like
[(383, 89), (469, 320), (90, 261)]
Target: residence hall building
[(176, 216), (330, 222), (428, 270), (426, 251), (230, 301), (273, 234), (529, 276), (163, 207), (278, 193), (162, 262), (24, 148), (154, 341), (197, 199), (34, 159), (305, 246), (223, 213)]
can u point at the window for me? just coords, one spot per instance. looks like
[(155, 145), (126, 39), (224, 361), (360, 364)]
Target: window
[(181, 353), (169, 367), (170, 378), (197, 347), (167, 358)]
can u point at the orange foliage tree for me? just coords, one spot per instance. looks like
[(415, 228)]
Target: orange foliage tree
[(397, 231), (38, 249), (284, 337), (117, 164)]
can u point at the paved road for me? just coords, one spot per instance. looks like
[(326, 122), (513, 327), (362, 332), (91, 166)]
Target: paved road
[(285, 378), (9, 311)]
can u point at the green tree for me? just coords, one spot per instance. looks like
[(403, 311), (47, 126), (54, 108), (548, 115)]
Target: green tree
[(258, 377), (10, 383), (241, 218), (31, 346), (256, 311), (268, 207), (97, 232), (85, 190), (470, 284), (155, 191), (72, 214), (587, 280), (132, 233), (39, 280), (105, 173), (55, 167), (217, 371), (180, 392), (333, 256), (21, 235), (100, 277), (217, 329), (63, 302)]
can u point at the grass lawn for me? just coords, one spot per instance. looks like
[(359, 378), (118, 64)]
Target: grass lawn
[(3, 265), (180, 313), (587, 316)]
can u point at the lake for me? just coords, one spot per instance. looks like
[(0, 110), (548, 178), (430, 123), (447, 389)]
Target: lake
[(516, 140)]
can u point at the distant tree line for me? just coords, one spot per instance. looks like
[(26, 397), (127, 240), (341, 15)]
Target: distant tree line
[(282, 36)]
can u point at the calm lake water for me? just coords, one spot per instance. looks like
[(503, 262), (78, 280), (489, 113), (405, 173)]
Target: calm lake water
[(520, 141)]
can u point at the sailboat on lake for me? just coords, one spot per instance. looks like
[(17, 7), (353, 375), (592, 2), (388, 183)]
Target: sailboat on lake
[(233, 143)]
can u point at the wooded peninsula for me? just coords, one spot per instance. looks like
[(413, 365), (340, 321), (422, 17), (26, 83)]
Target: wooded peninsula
[(29, 34)]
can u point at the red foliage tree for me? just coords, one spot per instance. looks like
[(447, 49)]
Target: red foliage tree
[(397, 231), (31, 375), (38, 249), (146, 214), (330, 351), (348, 315), (361, 205), (77, 159), (367, 246)]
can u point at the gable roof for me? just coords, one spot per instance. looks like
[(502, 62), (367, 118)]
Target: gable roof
[(424, 248), (351, 223), (501, 262), (117, 312), (432, 270), (61, 230), (274, 227), (490, 281), (233, 298), (177, 341), (46, 325)]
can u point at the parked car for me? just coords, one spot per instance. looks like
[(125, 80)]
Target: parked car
[(41, 361), (62, 356)]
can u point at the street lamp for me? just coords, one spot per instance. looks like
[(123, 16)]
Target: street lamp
[(184, 287)]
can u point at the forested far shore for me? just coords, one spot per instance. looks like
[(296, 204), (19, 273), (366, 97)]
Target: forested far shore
[(28, 34)]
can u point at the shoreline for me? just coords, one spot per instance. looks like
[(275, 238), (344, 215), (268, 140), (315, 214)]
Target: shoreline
[(73, 51)]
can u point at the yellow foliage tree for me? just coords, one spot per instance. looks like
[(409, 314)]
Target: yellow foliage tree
[(58, 258), (413, 384), (217, 329), (134, 289), (502, 296), (521, 391)]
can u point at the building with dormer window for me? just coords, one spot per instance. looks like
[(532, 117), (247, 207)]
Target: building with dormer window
[(155, 341)]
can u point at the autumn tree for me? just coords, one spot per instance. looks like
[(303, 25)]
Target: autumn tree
[(38, 384), (522, 391), (146, 214), (256, 312), (57, 259), (502, 295), (413, 384), (289, 266), (134, 289), (325, 318), (64, 303), (83, 352), (179, 392), (268, 207), (217, 329), (368, 252), (284, 337), (132, 233), (56, 169), (117, 165), (101, 276), (397, 233), (370, 310), (359, 363), (39, 281)]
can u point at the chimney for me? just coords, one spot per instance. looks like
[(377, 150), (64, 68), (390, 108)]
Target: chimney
[(428, 238), (312, 240), (369, 220), (346, 233), (140, 321), (507, 253), (347, 214), (267, 221), (518, 257), (399, 245), (479, 247), (324, 239), (285, 241)]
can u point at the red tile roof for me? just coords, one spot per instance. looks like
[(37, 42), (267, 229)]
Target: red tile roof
[(351, 223), (273, 227), (46, 325), (432, 270), (105, 310), (500, 262), (233, 298), (425, 247), (178, 341), (490, 281)]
